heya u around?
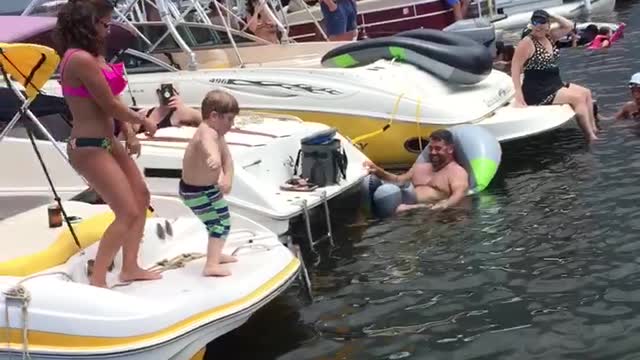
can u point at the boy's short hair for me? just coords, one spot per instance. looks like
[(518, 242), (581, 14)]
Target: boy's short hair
[(219, 101)]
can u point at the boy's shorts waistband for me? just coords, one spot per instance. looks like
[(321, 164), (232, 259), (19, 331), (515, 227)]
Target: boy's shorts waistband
[(188, 188)]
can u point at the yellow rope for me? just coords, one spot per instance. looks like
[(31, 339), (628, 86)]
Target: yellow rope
[(384, 128)]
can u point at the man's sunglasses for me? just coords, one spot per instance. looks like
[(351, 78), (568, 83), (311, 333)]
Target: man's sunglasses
[(634, 86)]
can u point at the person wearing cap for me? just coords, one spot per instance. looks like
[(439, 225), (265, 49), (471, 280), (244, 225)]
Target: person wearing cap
[(631, 109), (537, 57)]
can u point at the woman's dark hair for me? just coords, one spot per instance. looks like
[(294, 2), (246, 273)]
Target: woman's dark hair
[(76, 26), (604, 30)]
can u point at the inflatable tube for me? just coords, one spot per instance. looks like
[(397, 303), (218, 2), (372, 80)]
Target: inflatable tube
[(449, 56), (476, 150)]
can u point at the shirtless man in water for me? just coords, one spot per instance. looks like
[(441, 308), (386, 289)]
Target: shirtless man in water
[(440, 183), (631, 109)]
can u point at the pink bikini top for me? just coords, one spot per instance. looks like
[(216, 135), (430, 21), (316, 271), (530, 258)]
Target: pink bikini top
[(115, 78)]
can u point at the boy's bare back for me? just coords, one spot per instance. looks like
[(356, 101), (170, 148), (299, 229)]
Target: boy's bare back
[(202, 161)]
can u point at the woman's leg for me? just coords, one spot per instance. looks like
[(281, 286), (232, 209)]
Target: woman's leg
[(588, 99), (575, 98), (131, 246), (106, 177)]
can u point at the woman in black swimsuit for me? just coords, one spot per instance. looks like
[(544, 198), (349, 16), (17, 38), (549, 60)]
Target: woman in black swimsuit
[(175, 113), (537, 56)]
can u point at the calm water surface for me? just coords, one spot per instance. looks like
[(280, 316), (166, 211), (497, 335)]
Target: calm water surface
[(546, 266)]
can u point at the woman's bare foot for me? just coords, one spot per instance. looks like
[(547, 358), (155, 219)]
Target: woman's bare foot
[(215, 270), (139, 275), (224, 258)]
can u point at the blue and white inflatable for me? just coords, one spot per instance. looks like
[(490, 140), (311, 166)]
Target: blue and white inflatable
[(476, 150)]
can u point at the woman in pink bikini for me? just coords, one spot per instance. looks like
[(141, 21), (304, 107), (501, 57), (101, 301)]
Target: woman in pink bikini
[(91, 88)]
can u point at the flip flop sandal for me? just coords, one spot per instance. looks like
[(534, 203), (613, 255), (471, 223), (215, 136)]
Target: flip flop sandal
[(298, 184)]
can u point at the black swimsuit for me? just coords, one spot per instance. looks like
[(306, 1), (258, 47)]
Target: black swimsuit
[(541, 76)]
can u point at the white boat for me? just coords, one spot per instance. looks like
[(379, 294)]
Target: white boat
[(405, 101), (51, 311), (54, 313), (264, 146)]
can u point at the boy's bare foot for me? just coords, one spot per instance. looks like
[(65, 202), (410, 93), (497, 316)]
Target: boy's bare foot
[(98, 283), (139, 275), (224, 258), (215, 270)]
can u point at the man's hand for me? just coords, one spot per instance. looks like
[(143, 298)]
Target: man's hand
[(175, 102), (369, 166), (440, 205)]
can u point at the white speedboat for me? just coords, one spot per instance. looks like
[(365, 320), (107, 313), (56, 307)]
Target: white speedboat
[(266, 149), (387, 106), (50, 310), (54, 313)]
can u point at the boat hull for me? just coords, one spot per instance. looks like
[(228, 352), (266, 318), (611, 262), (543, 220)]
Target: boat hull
[(397, 146), (169, 318)]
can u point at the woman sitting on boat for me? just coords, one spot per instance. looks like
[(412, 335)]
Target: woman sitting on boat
[(537, 56), (91, 88), (174, 113)]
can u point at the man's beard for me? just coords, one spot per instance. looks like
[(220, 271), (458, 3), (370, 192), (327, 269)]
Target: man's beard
[(436, 160)]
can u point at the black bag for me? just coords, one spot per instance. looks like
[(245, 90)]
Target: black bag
[(323, 164)]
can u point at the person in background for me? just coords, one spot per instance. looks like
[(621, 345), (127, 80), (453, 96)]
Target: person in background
[(459, 8), (504, 55), (216, 17), (606, 37), (340, 18), (261, 23), (91, 88), (174, 113), (537, 56), (631, 109)]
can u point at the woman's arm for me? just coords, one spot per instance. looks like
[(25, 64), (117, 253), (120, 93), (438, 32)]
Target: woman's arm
[(88, 71), (565, 27), (521, 54)]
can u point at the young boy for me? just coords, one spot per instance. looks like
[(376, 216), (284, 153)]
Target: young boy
[(207, 172)]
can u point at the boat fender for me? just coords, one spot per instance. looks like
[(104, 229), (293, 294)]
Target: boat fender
[(476, 150)]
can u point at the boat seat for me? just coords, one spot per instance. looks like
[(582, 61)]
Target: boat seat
[(30, 246)]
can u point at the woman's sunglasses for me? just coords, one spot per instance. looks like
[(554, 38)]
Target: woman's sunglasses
[(538, 21)]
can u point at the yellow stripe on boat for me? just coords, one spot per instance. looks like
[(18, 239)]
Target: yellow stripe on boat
[(385, 149), (54, 342), (88, 232)]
